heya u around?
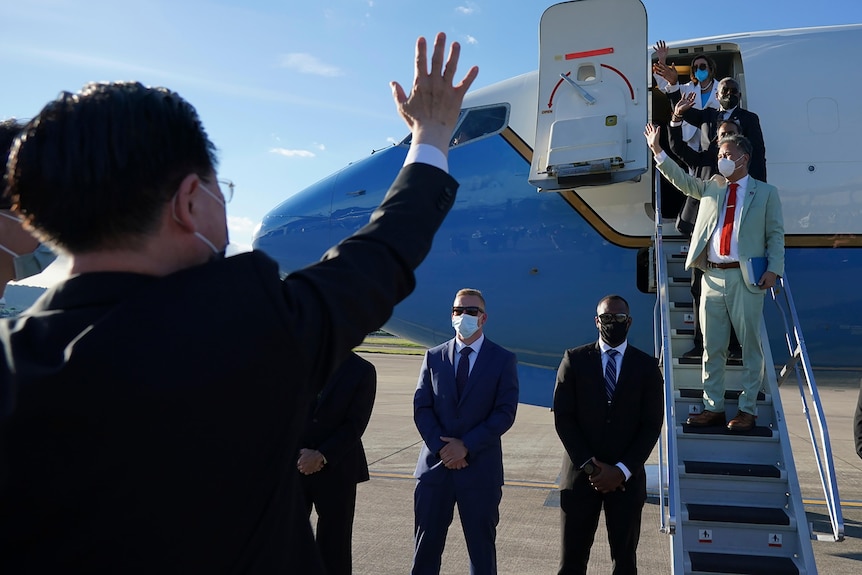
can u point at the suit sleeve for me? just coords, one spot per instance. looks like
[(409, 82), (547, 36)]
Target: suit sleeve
[(349, 432), (424, 415), (757, 169), (682, 150), (502, 416), (334, 303), (774, 234), (682, 180), (652, 416), (566, 419), (857, 424)]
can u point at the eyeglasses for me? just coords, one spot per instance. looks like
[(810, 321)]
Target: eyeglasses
[(469, 310), (226, 190), (701, 66), (613, 317)]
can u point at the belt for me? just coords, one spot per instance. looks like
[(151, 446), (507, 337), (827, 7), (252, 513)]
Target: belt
[(722, 266)]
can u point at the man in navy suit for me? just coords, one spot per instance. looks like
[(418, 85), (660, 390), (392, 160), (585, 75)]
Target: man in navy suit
[(332, 460), (608, 414), (465, 401)]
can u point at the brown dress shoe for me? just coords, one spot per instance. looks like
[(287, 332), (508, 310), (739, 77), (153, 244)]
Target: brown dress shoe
[(742, 422), (706, 419)]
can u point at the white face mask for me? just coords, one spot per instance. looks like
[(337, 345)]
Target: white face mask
[(31, 264), (217, 253), (726, 166), (465, 325)]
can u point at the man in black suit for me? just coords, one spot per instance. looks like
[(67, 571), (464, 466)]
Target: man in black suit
[(608, 413), (145, 428), (710, 118), (332, 460)]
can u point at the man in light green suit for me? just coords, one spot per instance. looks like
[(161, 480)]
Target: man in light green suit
[(739, 218)]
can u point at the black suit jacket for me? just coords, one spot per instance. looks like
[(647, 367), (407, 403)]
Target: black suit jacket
[(624, 431), (151, 422), (749, 125), (338, 418)]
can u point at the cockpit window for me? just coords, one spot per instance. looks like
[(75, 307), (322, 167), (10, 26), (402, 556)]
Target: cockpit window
[(475, 123), (479, 123)]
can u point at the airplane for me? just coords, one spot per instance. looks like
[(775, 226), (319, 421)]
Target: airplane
[(556, 205)]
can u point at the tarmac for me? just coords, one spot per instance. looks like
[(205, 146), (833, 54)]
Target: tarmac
[(528, 535)]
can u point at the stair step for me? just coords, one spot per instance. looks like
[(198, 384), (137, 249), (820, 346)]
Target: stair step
[(735, 469), (756, 431), (699, 361), (737, 514), (691, 393), (741, 564)]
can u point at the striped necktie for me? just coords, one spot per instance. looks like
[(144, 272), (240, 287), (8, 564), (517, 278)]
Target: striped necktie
[(611, 373)]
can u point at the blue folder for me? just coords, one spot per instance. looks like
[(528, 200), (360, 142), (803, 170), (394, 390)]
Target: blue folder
[(755, 267)]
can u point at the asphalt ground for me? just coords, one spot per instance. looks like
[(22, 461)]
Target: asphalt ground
[(528, 535)]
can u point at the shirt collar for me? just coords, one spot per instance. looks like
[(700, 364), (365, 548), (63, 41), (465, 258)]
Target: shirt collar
[(621, 348), (475, 346)]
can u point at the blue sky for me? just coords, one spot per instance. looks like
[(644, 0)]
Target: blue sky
[(291, 91)]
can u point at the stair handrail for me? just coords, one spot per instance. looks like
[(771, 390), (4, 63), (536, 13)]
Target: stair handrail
[(805, 378), (667, 447)]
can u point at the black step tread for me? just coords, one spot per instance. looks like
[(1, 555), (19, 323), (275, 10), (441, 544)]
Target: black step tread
[(690, 393), (683, 304), (742, 564), (685, 331), (756, 431), (737, 514), (738, 469)]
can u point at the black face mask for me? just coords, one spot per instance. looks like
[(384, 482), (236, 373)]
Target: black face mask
[(728, 102), (614, 333)]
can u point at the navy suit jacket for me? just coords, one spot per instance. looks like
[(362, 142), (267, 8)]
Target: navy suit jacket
[(479, 418), (623, 431)]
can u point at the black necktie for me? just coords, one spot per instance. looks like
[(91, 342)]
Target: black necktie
[(611, 373), (463, 372)]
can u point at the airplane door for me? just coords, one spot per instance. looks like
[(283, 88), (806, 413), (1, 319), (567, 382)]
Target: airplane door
[(592, 104)]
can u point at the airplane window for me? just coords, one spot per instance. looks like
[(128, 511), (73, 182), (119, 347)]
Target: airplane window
[(480, 122)]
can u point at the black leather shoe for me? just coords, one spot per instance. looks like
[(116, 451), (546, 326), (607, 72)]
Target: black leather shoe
[(742, 422), (695, 352), (707, 419)]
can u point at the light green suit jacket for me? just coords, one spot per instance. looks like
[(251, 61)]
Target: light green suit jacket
[(761, 229)]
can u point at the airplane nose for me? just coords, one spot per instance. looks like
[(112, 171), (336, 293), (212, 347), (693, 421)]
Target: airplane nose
[(299, 230)]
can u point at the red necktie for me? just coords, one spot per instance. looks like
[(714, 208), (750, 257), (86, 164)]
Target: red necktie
[(727, 228)]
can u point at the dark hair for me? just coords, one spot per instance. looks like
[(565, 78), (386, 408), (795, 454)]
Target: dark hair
[(709, 62), (95, 169), (741, 142), (613, 297), (8, 130)]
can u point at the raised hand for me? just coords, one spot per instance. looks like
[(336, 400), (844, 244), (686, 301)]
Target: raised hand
[(431, 110), (652, 134), (685, 103)]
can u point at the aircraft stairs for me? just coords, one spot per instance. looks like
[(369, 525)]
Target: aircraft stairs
[(731, 501)]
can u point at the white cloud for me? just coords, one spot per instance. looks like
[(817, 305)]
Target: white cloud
[(468, 9), (293, 153), (471, 40), (308, 64), (320, 147), (240, 225)]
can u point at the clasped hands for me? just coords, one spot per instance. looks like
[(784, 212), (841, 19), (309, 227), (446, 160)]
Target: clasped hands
[(310, 461), (454, 453), (607, 477)]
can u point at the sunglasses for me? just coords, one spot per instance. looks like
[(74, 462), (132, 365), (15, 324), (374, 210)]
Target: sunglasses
[(469, 310), (701, 66), (613, 317)]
